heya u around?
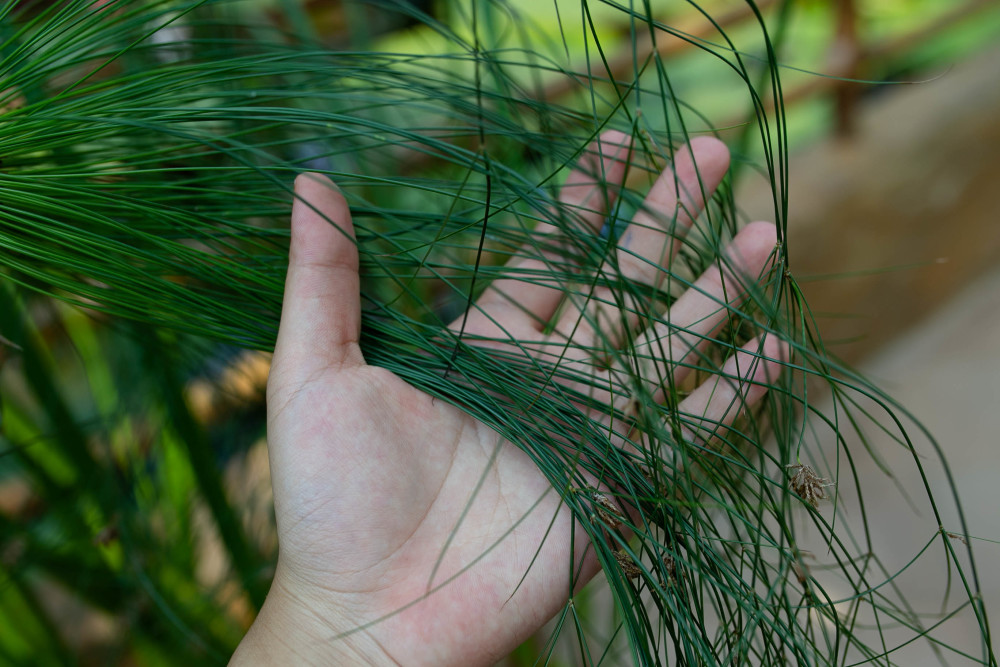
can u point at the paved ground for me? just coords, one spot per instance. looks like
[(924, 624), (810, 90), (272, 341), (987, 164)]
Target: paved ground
[(946, 372)]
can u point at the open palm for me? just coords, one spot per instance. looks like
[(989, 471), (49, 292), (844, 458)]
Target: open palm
[(405, 525)]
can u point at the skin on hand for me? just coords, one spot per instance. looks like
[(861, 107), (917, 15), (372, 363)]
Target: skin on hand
[(371, 475)]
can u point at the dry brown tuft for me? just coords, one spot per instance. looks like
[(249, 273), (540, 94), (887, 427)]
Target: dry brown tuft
[(670, 565), (628, 564), (609, 513), (807, 485)]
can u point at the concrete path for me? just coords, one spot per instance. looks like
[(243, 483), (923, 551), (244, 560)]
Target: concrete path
[(946, 372)]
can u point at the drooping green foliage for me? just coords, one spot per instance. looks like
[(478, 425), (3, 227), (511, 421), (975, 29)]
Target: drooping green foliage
[(148, 150)]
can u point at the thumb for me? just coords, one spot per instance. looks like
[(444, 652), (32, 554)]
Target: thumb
[(321, 313)]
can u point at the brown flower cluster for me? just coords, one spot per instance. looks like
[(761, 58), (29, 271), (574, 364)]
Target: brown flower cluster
[(628, 565), (807, 485), (609, 513)]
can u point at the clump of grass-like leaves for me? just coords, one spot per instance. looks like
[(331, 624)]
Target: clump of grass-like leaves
[(148, 150)]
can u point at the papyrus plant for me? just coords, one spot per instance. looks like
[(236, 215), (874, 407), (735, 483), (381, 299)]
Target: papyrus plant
[(148, 150)]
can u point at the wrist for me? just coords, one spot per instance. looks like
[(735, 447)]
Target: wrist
[(289, 631)]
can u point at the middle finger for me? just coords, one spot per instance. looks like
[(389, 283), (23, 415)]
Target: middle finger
[(647, 245)]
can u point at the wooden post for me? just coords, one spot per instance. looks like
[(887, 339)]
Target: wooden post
[(845, 61)]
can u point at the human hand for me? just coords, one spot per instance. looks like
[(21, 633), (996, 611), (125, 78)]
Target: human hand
[(371, 476)]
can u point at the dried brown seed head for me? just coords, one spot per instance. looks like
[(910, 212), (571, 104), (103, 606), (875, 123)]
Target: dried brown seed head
[(807, 485), (628, 564), (609, 513), (670, 565)]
